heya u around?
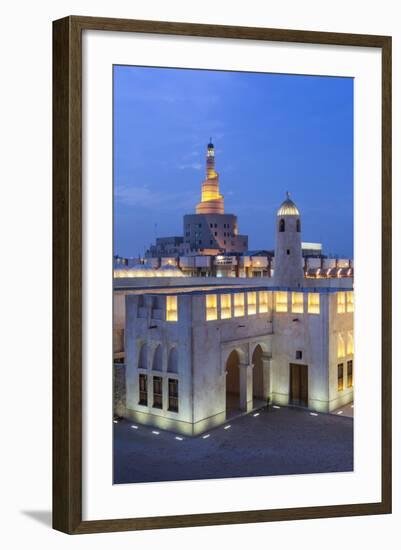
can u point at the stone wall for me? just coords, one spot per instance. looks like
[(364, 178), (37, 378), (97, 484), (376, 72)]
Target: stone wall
[(119, 390)]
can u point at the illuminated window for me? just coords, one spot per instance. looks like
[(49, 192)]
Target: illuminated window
[(340, 377), (263, 302), (340, 302), (173, 395), (239, 307), (340, 346), (350, 374), (171, 308), (350, 343), (297, 302), (143, 389), (225, 305), (281, 302), (313, 302), (350, 301), (211, 307), (251, 297)]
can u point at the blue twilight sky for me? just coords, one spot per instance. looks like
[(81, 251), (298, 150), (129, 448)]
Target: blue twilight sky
[(272, 133)]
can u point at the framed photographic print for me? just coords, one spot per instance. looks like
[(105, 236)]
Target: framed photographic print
[(222, 274)]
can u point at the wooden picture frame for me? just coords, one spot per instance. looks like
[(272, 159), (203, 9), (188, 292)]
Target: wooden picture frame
[(67, 273)]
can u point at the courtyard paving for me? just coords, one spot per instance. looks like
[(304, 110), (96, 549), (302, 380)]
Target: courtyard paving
[(277, 441)]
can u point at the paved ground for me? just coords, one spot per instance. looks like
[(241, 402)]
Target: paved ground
[(276, 442), (347, 410)]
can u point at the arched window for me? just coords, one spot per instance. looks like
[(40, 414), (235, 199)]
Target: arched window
[(143, 357), (298, 226), (158, 359), (282, 226), (172, 365)]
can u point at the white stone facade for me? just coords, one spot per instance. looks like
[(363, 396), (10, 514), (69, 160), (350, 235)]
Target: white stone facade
[(234, 349), (197, 353)]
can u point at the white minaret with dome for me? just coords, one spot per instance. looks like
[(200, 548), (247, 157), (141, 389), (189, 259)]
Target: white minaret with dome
[(288, 270)]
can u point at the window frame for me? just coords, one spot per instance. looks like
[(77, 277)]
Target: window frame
[(144, 392), (173, 398), (157, 403), (340, 368)]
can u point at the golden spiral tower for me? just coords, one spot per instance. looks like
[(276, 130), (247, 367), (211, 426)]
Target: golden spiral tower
[(212, 202)]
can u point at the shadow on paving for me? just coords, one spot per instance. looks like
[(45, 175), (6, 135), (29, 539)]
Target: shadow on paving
[(277, 442)]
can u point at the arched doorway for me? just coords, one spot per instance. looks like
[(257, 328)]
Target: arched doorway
[(232, 383), (258, 384)]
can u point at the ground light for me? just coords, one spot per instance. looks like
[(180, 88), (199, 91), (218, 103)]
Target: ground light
[(276, 407), (227, 427), (340, 412), (155, 432), (256, 414), (178, 438), (134, 427), (313, 414), (115, 421), (205, 436)]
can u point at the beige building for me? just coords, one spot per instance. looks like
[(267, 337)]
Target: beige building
[(197, 352)]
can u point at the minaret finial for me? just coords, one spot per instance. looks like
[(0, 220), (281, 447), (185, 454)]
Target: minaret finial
[(288, 195)]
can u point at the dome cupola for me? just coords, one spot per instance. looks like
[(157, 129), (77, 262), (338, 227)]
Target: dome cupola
[(288, 208)]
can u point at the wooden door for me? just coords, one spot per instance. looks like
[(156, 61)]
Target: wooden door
[(299, 385)]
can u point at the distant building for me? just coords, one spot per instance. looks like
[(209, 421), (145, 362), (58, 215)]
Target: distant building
[(210, 228), (312, 250), (210, 231), (167, 246)]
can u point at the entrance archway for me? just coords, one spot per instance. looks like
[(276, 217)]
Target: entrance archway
[(232, 382)]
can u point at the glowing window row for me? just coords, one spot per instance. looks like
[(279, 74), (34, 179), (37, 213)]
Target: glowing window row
[(345, 302), (345, 344), (258, 302), (296, 304), (253, 305)]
